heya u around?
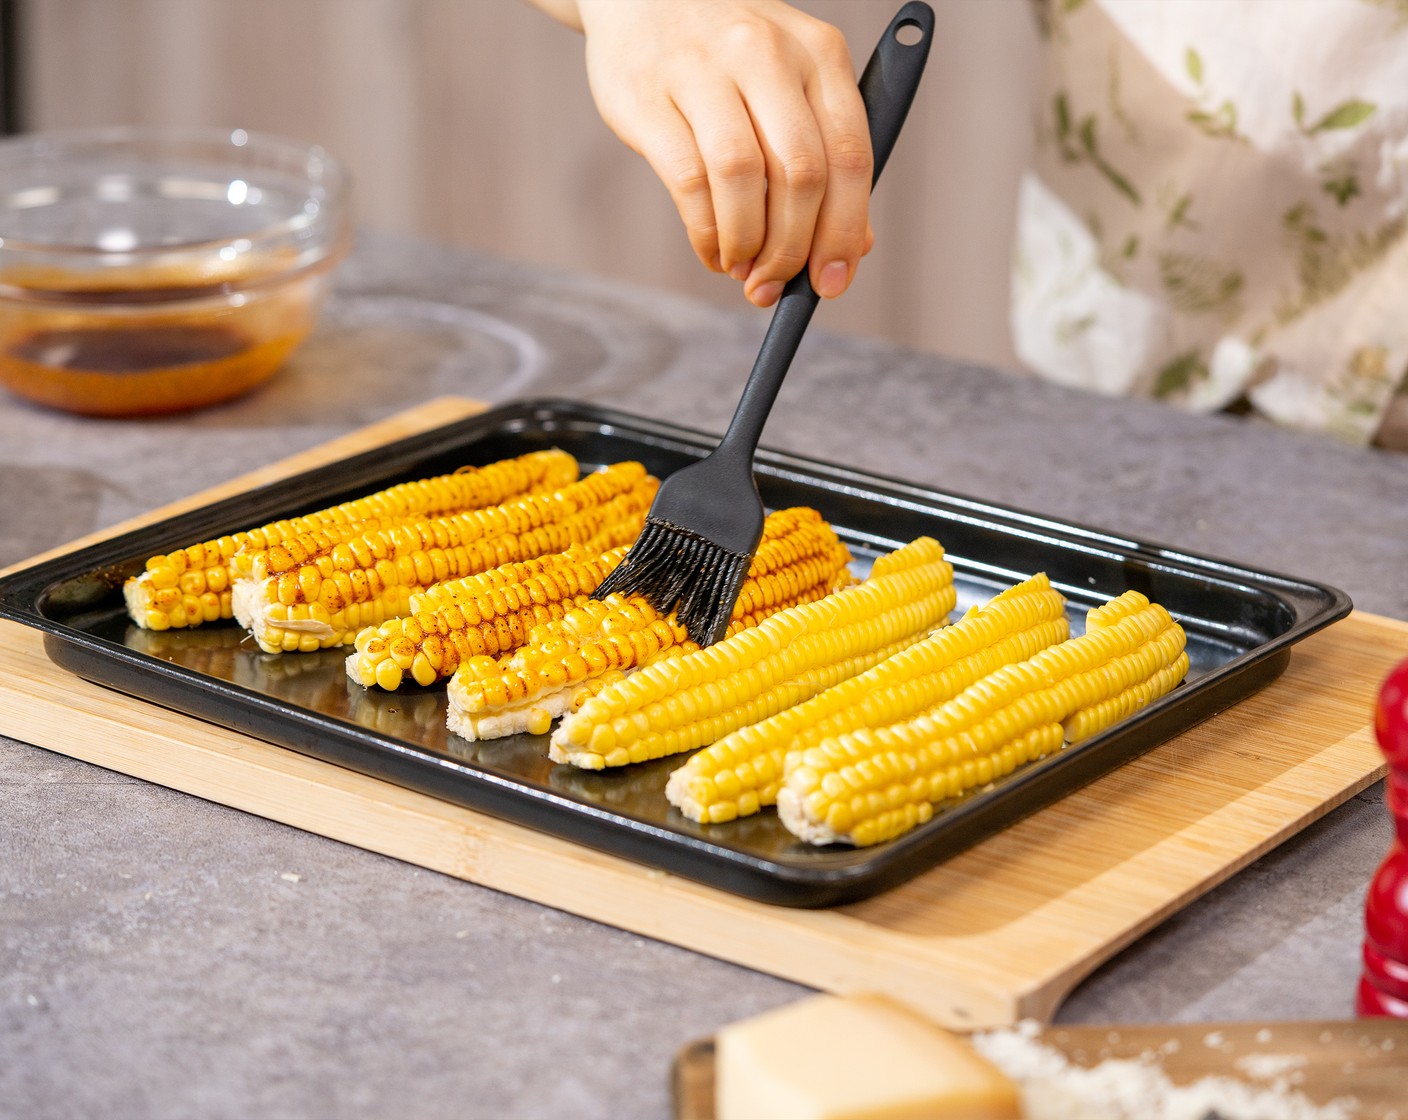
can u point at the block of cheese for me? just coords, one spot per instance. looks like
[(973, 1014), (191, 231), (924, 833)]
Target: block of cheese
[(853, 1058)]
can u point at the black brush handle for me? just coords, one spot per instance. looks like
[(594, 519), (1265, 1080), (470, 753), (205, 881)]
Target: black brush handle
[(887, 87)]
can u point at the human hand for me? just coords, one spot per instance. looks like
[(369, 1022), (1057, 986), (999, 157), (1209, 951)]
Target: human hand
[(748, 111)]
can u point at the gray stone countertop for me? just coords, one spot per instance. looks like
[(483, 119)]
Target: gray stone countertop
[(157, 959)]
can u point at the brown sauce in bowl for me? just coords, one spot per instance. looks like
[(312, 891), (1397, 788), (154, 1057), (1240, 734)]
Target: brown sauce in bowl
[(151, 344), (112, 350)]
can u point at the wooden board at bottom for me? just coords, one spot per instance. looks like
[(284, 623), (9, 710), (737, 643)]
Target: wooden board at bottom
[(1361, 1065), (999, 932)]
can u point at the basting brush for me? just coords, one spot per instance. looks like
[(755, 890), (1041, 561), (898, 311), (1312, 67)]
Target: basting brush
[(704, 526)]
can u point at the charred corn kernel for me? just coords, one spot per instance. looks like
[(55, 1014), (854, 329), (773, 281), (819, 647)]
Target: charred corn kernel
[(486, 615), (864, 786), (799, 558), (605, 506), (212, 566), (1008, 628), (695, 700)]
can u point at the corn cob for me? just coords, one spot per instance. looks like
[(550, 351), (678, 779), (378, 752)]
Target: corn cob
[(1165, 654), (594, 686), (798, 560), (332, 592), (695, 700), (484, 615), (526, 692), (302, 562), (742, 772), (516, 698), (192, 585), (865, 786)]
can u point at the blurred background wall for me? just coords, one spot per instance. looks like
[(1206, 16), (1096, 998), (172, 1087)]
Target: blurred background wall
[(470, 122)]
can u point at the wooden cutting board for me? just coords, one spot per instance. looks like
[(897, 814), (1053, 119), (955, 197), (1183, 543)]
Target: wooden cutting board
[(1364, 1061), (1000, 932)]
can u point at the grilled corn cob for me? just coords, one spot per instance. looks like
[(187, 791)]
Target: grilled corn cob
[(332, 591), (192, 585), (484, 615), (865, 786), (526, 692), (798, 560), (697, 699), (742, 772)]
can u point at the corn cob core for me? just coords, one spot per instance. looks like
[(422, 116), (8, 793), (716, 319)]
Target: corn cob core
[(742, 772), (328, 598), (799, 558), (192, 585), (865, 786), (482, 615), (694, 700)]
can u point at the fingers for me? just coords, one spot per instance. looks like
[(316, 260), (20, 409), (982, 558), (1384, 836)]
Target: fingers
[(842, 235), (796, 183), (816, 143), (667, 142), (749, 113), (736, 171)]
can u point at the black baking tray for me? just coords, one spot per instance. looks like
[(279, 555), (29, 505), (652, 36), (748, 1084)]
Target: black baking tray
[(1241, 625)]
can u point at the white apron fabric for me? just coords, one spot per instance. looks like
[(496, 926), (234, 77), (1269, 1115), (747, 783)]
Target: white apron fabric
[(1218, 207)]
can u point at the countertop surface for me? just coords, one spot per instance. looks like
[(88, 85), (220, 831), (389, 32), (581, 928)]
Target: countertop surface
[(162, 956)]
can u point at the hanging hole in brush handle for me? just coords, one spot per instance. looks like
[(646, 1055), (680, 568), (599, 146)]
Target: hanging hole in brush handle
[(891, 77), (910, 34), (887, 86)]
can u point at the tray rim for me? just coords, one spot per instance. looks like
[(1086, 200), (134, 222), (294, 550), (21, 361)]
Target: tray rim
[(861, 873)]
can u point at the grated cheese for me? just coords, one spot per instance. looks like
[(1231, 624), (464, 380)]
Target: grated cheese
[(1053, 1088)]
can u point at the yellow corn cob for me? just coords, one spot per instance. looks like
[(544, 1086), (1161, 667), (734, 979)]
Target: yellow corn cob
[(536, 580), (865, 786), (374, 598), (534, 714), (594, 686), (1094, 719), (325, 600), (695, 700), (192, 585), (1140, 686), (799, 559), (526, 692), (742, 772), (303, 562), (483, 615)]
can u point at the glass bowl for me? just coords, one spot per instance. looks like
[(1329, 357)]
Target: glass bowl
[(149, 270)]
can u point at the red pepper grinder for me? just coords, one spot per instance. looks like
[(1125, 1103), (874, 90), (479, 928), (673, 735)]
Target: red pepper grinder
[(1383, 988)]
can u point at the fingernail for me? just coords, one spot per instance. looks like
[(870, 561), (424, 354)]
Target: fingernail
[(741, 270), (833, 279), (765, 295)]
